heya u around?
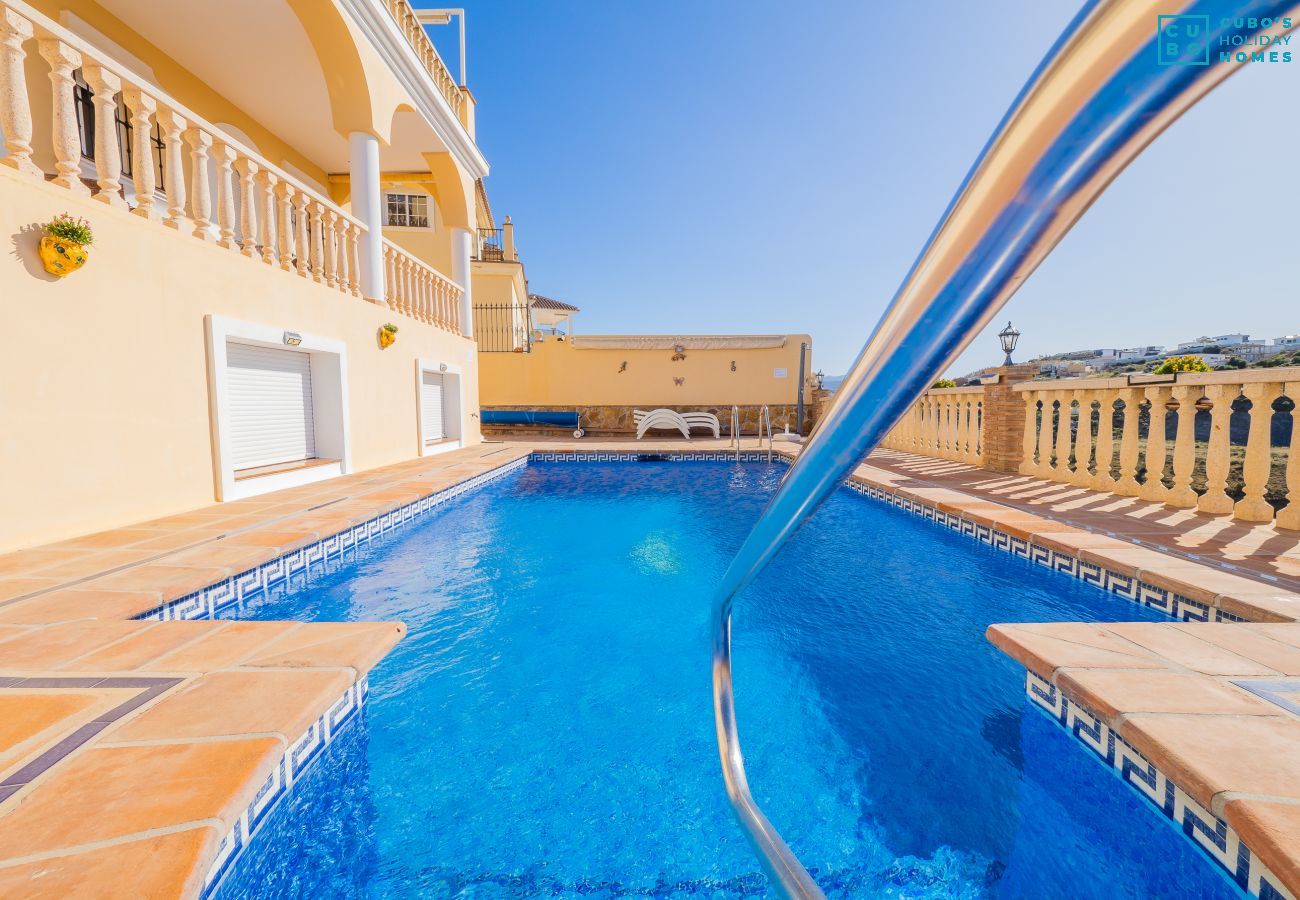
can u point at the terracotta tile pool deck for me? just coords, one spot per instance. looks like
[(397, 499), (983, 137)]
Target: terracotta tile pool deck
[(129, 748)]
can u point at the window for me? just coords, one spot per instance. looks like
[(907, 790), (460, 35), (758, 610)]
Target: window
[(408, 210), (83, 99)]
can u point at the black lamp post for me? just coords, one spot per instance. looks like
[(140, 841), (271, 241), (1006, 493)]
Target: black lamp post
[(1008, 336), (821, 378)]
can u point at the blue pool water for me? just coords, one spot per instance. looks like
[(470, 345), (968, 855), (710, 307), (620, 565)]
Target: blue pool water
[(545, 729)]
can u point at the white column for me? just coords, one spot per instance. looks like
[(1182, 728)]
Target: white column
[(462, 243), (367, 206)]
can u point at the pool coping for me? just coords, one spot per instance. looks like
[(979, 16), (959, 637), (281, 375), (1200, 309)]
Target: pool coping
[(1181, 589)]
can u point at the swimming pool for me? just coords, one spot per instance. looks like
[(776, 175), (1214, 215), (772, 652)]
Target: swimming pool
[(546, 726)]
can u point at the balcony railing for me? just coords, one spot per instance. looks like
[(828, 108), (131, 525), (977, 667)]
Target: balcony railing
[(202, 181), (254, 207), (419, 290), (409, 24), (503, 328), (490, 246)]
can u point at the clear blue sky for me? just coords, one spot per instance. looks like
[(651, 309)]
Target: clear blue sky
[(759, 166)]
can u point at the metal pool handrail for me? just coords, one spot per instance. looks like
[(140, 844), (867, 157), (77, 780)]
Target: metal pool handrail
[(735, 429), (1104, 91), (767, 419)]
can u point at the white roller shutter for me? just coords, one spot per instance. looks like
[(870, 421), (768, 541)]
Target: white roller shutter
[(268, 392), (431, 428)]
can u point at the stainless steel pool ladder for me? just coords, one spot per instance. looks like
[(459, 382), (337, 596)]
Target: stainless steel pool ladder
[(735, 429), (765, 417), (1104, 91)]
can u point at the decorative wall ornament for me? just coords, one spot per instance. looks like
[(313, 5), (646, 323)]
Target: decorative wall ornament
[(679, 381), (733, 365), (387, 336), (679, 352), (622, 368), (65, 245)]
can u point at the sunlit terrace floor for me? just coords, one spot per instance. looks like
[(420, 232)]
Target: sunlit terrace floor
[(205, 709), (1257, 550)]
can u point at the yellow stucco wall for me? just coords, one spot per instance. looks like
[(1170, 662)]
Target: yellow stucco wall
[(105, 396), (557, 374)]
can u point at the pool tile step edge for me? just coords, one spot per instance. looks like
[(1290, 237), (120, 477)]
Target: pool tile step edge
[(1254, 837), (264, 787)]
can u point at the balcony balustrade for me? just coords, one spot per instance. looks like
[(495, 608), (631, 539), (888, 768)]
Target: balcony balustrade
[(420, 291), (412, 29), (186, 173)]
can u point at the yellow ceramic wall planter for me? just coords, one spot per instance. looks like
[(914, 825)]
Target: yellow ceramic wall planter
[(387, 336), (60, 257), (65, 246)]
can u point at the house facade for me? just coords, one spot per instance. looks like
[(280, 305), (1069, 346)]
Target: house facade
[(279, 287)]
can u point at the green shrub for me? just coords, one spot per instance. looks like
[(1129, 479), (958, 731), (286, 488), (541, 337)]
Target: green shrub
[(74, 231), (1188, 363), (943, 383)]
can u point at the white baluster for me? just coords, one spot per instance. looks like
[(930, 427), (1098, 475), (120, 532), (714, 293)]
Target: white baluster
[(225, 156), (1157, 447), (1259, 453), (1103, 480), (1215, 500), (317, 242), (1083, 440), (247, 170), (1181, 494), (1061, 471), (266, 194), (108, 152), (303, 240), (1289, 517), (1127, 485), (342, 278), (15, 102), (173, 128), (143, 108), (285, 224), (200, 190), (65, 134), (354, 260), (329, 238)]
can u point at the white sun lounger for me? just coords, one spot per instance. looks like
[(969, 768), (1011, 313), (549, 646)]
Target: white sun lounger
[(703, 420), (667, 418), (659, 418)]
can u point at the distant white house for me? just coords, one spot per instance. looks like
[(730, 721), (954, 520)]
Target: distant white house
[(1218, 340)]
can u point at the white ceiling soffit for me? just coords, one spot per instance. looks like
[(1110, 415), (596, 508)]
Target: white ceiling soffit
[(284, 90)]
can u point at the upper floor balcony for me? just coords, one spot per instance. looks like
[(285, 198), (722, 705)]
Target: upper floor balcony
[(91, 117)]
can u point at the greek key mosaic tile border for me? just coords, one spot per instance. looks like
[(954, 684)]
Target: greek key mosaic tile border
[(296, 763), (1172, 604), (1207, 831), (652, 456), (206, 603)]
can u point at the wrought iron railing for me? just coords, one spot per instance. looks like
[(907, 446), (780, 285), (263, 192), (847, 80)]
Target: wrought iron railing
[(490, 246), (503, 328)]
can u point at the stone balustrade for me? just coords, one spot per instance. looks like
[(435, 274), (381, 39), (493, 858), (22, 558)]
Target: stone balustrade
[(1223, 443), (946, 423), (420, 291), (202, 182), (186, 173), (409, 24), (1205, 440)]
